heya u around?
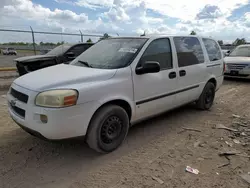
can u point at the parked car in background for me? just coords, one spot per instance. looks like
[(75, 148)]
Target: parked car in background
[(9, 51), (238, 62), (61, 54), (116, 83)]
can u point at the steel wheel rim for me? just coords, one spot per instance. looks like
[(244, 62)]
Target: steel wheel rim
[(111, 129), (209, 96)]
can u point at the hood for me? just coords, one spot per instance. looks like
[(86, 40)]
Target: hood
[(62, 75), (34, 58), (237, 59)]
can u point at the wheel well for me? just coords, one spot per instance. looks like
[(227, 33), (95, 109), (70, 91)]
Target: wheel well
[(212, 80), (124, 104)]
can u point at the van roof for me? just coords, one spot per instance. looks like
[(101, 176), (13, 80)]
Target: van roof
[(160, 36)]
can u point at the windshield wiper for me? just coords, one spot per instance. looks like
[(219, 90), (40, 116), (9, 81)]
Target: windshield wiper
[(85, 63)]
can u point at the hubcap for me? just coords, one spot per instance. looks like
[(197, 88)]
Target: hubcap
[(111, 129)]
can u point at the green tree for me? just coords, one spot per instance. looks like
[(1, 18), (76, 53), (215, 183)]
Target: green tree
[(59, 43), (89, 40), (193, 33), (105, 36), (239, 41), (220, 42)]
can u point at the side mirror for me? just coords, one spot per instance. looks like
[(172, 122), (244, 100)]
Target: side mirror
[(148, 67), (70, 55)]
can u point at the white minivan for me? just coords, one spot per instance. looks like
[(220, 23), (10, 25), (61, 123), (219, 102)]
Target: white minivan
[(114, 84)]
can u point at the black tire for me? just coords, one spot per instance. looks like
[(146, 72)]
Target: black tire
[(206, 99), (108, 129)]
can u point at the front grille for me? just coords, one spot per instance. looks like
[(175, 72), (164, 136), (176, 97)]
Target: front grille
[(19, 96), (236, 66), (18, 111), (39, 65)]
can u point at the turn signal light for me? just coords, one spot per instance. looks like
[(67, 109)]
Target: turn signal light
[(70, 100)]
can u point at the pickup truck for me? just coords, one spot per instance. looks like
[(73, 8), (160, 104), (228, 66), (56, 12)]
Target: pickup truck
[(64, 53), (9, 51)]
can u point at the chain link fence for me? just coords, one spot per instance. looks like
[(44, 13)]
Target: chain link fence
[(36, 42)]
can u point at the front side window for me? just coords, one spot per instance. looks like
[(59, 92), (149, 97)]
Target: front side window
[(189, 51), (213, 49), (78, 49), (158, 50), (59, 50), (243, 51), (111, 53)]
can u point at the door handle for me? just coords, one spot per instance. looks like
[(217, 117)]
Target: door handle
[(182, 73), (172, 75)]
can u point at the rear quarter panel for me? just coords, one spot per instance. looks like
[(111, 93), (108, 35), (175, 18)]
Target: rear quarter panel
[(214, 68)]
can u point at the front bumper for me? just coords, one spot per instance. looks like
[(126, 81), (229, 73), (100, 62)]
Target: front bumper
[(237, 71), (63, 123)]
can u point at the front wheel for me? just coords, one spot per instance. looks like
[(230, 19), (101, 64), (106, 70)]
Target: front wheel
[(108, 129), (206, 99)]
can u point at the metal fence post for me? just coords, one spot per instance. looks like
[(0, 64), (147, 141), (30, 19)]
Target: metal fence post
[(33, 39), (81, 36)]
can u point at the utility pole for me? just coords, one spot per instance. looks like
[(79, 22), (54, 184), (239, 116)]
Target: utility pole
[(33, 39)]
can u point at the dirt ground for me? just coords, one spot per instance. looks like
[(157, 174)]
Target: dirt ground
[(157, 148)]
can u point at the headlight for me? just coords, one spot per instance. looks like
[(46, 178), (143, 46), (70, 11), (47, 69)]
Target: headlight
[(57, 98)]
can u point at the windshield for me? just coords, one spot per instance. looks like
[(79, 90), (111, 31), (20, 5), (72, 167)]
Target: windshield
[(241, 52), (110, 53), (59, 49)]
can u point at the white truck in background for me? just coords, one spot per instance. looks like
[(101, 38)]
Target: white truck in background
[(9, 51)]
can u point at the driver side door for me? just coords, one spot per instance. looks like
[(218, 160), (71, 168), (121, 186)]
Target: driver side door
[(155, 92)]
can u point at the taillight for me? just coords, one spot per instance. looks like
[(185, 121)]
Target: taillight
[(224, 67)]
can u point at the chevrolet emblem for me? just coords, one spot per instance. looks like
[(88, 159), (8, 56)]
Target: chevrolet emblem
[(13, 102)]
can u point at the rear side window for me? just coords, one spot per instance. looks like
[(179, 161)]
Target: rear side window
[(158, 50), (213, 49), (189, 51)]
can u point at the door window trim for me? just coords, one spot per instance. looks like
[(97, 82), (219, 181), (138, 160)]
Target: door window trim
[(170, 50)]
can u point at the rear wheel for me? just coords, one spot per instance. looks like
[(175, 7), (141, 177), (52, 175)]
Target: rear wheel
[(206, 99), (108, 129)]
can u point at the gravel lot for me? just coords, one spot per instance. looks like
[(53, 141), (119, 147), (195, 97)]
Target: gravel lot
[(7, 60), (155, 148)]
